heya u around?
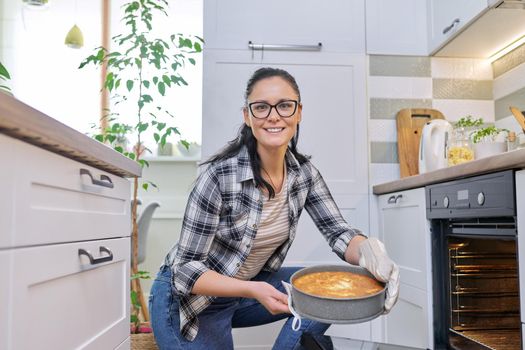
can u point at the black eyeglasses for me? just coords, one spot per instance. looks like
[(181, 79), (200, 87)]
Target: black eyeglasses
[(261, 110)]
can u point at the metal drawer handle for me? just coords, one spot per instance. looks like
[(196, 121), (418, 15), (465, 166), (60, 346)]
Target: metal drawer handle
[(284, 47), (449, 28), (104, 181), (391, 199), (93, 260), (398, 197)]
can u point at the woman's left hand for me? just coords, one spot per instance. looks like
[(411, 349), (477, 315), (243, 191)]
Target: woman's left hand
[(374, 258)]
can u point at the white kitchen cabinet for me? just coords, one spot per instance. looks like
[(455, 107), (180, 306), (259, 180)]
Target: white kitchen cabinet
[(64, 301), (52, 201), (398, 27), (54, 297), (406, 233), (338, 25), (448, 17)]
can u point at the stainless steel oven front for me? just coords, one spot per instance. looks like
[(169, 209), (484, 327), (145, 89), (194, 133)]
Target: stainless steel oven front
[(475, 263)]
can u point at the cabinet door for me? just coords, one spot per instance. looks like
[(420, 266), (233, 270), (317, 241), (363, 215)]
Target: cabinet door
[(5, 297), (398, 27), (406, 234), (63, 301), (333, 92), (7, 154), (520, 209), (338, 25), (56, 199), (448, 17)]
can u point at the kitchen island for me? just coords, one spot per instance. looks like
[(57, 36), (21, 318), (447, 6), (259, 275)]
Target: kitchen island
[(64, 235)]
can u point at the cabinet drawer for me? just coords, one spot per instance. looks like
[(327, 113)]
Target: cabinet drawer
[(57, 199), (62, 301)]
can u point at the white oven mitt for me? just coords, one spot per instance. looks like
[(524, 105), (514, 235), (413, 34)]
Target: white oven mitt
[(374, 258), (296, 323)]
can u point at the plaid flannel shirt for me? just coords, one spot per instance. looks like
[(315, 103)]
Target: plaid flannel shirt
[(220, 224)]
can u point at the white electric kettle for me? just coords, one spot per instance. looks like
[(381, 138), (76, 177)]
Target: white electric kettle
[(433, 145)]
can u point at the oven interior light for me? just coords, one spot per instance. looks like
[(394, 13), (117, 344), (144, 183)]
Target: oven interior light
[(518, 42)]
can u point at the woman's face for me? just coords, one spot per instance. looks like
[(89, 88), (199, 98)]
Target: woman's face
[(275, 131)]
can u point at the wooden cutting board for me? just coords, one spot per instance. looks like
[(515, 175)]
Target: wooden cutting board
[(410, 122)]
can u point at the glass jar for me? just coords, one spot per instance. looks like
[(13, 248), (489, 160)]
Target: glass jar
[(459, 149)]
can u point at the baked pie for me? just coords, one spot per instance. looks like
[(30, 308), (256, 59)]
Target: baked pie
[(337, 284)]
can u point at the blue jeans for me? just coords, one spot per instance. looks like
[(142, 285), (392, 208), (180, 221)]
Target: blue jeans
[(217, 321)]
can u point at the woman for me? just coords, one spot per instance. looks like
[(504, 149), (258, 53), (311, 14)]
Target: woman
[(240, 221)]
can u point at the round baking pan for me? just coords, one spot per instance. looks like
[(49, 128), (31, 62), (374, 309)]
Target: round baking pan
[(336, 310)]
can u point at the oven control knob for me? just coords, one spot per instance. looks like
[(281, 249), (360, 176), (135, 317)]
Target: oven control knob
[(445, 202), (481, 198)]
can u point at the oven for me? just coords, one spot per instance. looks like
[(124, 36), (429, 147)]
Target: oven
[(475, 263)]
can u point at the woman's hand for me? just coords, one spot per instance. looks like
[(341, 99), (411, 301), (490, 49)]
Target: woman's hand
[(373, 257), (271, 298)]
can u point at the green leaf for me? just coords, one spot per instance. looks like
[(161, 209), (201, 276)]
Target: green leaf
[(155, 80), (145, 187), (197, 47), (131, 155), (129, 85), (99, 138), (100, 55), (166, 80), (161, 126), (141, 127), (185, 143), (147, 98), (162, 88), (4, 72), (119, 149), (143, 163), (156, 137), (192, 61), (146, 83), (133, 319)]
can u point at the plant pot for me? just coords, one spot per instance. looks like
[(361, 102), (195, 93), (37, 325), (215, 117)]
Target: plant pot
[(143, 340), (487, 149)]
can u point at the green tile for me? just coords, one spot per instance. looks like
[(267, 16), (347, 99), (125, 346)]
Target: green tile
[(399, 66), (387, 108), (383, 152), (461, 89), (509, 61)]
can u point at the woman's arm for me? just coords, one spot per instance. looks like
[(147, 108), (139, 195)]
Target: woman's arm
[(215, 284)]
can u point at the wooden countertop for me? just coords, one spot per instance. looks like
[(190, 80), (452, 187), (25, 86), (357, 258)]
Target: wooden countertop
[(508, 160), (23, 122)]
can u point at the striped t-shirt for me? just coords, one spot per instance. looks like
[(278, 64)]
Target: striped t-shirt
[(273, 230)]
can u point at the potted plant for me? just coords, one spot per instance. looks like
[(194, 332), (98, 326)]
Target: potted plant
[(489, 141), (140, 70)]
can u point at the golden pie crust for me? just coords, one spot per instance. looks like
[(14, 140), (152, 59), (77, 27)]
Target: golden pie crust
[(337, 284)]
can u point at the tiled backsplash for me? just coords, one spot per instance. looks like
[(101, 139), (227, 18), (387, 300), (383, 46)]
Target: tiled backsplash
[(456, 87)]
